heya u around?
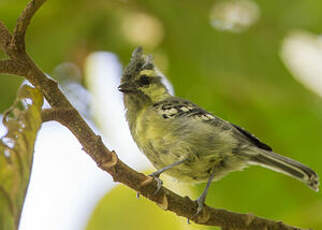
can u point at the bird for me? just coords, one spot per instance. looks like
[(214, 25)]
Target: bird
[(188, 143)]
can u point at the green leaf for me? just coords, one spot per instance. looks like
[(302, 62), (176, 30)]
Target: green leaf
[(22, 120)]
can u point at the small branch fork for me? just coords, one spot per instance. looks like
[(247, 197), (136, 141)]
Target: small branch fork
[(20, 63)]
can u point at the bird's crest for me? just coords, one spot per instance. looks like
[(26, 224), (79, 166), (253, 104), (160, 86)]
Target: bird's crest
[(138, 62)]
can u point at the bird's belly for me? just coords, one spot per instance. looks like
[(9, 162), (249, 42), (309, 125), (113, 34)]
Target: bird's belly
[(197, 168)]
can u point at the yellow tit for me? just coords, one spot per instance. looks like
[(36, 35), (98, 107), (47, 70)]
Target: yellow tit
[(187, 142)]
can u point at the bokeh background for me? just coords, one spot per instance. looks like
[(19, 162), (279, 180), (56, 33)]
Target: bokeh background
[(256, 63)]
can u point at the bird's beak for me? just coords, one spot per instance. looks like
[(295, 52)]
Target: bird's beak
[(126, 87)]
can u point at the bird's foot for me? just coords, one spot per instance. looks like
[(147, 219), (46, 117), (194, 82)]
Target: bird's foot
[(200, 202), (153, 176), (158, 180)]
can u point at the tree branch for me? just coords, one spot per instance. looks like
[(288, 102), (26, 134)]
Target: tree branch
[(5, 37), (63, 112), (54, 114), (23, 23), (11, 67)]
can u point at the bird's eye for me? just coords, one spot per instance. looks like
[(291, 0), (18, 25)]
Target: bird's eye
[(144, 80)]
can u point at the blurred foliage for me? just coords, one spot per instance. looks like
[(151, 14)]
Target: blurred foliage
[(238, 76), (120, 210), (22, 121)]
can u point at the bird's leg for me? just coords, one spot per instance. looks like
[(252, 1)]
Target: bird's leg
[(157, 174), (202, 198)]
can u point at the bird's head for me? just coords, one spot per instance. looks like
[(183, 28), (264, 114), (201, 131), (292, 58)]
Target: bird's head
[(141, 80)]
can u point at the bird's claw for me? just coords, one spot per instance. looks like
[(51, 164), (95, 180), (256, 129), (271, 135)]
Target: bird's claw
[(155, 176), (188, 221), (159, 182), (200, 203)]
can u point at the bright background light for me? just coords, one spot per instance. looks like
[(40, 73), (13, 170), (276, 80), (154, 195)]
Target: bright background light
[(302, 53), (234, 15)]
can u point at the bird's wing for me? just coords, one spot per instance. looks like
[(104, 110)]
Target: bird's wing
[(176, 108), (179, 108)]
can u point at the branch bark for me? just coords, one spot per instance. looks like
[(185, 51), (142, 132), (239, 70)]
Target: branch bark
[(62, 111), (5, 37), (11, 67)]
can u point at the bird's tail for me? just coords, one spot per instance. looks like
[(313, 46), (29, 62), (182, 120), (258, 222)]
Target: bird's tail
[(286, 166)]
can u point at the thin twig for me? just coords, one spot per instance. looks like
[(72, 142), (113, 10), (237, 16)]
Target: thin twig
[(63, 112), (23, 23), (5, 37)]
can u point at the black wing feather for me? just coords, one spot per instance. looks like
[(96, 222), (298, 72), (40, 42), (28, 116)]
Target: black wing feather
[(253, 139)]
